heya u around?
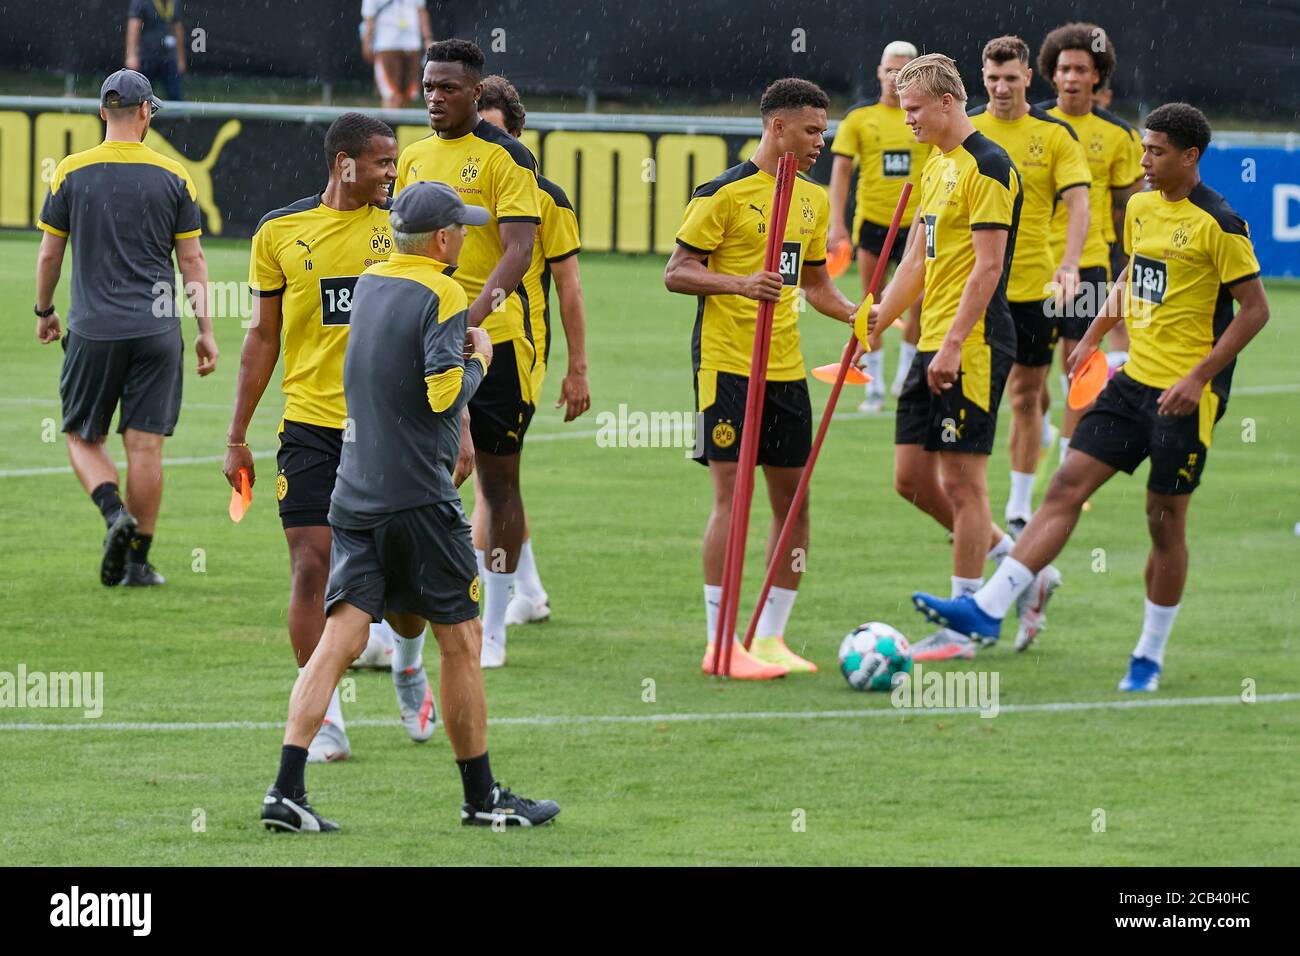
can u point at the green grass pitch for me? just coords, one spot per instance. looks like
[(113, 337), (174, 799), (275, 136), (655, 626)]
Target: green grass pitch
[(617, 533)]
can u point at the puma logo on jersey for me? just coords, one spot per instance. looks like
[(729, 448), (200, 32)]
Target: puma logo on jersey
[(757, 209), (299, 242)]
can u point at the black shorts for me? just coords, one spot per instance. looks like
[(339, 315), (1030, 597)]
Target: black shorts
[(871, 238), (1093, 286), (1124, 427), (964, 418), (1036, 329), (144, 374), (309, 462), (498, 413), (786, 434), (419, 561)]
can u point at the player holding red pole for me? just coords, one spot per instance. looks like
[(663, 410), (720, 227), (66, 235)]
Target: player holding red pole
[(719, 258)]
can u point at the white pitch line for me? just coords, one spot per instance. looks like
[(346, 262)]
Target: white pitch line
[(1140, 703), (532, 438)]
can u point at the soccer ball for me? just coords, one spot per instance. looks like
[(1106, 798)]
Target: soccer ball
[(871, 654)]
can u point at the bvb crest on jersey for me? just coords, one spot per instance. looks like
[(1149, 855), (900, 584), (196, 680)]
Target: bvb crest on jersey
[(806, 210), (1036, 148), (1096, 145), (380, 241), (1180, 237), (469, 172)]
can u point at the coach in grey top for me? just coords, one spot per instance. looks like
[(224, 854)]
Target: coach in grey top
[(124, 208), (405, 377)]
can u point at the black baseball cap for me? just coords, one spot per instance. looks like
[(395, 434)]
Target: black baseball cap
[(429, 206), (127, 88)]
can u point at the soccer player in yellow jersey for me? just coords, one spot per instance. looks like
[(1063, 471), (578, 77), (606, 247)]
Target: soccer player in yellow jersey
[(965, 229), (1055, 174), (555, 257), (305, 261), (1190, 255), (874, 137), (1079, 60), (719, 258), (489, 168)]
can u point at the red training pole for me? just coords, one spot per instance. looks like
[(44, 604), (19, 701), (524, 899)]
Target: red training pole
[(742, 495), (801, 491)]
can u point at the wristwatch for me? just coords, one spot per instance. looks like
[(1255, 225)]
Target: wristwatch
[(43, 314)]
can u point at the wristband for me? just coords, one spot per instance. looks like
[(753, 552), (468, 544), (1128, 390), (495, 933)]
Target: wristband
[(43, 314)]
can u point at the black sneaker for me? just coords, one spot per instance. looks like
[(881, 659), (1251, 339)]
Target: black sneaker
[(116, 544), (507, 809), (141, 576), (279, 813)]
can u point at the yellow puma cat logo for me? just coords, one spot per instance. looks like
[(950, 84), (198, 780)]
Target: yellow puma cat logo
[(200, 170)]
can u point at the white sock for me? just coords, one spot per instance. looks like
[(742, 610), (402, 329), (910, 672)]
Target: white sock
[(498, 587), (712, 607), (333, 713), (1157, 622), (906, 353), (383, 633), (962, 586), (527, 582), (1021, 502), (1002, 548), (408, 652), (874, 363), (776, 612), (996, 597), (1065, 384), (1115, 359), (482, 567), (1065, 446), (1046, 438)]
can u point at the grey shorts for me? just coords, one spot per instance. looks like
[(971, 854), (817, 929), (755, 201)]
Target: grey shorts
[(144, 375), (418, 561)]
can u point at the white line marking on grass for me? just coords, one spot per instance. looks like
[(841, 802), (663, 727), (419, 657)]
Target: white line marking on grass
[(1140, 703), (533, 438)]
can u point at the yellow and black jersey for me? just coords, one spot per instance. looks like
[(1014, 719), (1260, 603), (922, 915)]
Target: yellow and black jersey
[(311, 255), (1183, 258), (490, 168), (887, 155), (1050, 160), (976, 186), (557, 239), (1114, 153), (727, 220)]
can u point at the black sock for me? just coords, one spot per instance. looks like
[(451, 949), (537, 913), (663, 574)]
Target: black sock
[(476, 778), (139, 552), (108, 501), (293, 761)]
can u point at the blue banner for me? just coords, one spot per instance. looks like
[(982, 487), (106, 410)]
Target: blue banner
[(1262, 182)]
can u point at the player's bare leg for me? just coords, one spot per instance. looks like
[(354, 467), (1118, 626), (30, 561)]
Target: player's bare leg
[(98, 475), (309, 568), (464, 701), (285, 807), (916, 479), (1025, 392), (341, 642), (744, 665), (1054, 521), (769, 637), (1027, 568), (497, 478), (144, 484)]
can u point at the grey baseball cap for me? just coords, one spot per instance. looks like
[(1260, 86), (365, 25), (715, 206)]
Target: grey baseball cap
[(429, 206), (128, 88)]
